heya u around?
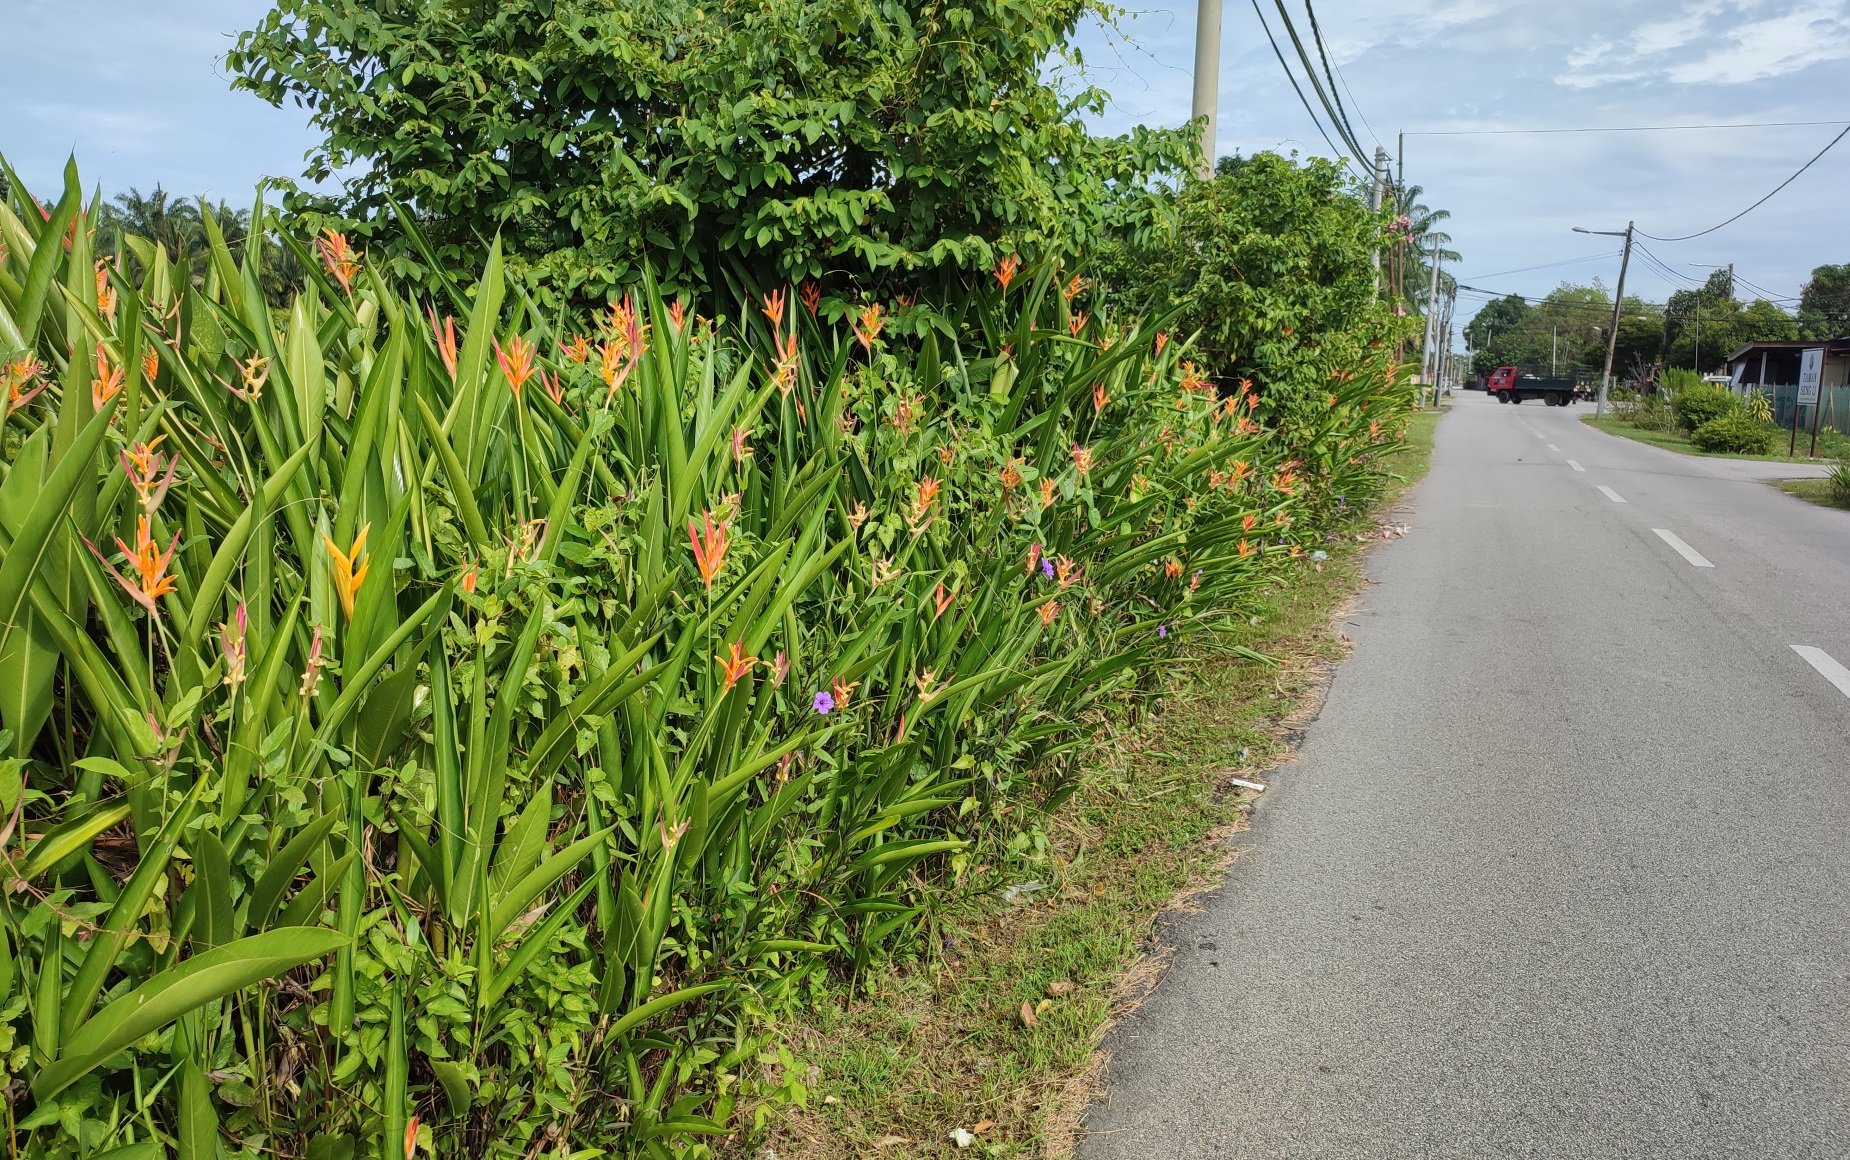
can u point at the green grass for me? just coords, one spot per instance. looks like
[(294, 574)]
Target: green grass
[(1818, 491), (942, 1043), (1679, 442)]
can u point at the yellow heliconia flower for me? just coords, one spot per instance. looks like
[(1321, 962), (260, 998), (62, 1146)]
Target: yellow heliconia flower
[(347, 578)]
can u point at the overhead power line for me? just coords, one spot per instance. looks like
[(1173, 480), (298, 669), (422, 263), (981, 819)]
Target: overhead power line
[(1621, 128), (1323, 98), (1329, 74), (1296, 88), (1550, 265), (1769, 197)]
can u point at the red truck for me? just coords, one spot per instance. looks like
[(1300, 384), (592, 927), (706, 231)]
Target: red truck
[(1511, 385)]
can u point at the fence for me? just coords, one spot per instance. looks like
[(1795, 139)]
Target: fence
[(1834, 400)]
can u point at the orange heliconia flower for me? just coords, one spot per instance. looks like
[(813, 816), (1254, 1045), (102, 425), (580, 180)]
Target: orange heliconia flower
[(150, 364), (780, 669), (1046, 493), (709, 547), (142, 464), (255, 371), (843, 691), (942, 599), (1099, 398), (578, 350), (1246, 525), (105, 292), (1082, 459), (867, 326), (1077, 323), (677, 314), (1162, 340), (15, 376), (108, 381), (1010, 474), (1172, 568), (1374, 429), (785, 373), (147, 562), (1006, 270), (1075, 287), (347, 577), (924, 495), (1066, 572), (1034, 558), (1049, 610), (1246, 549), (811, 294), (731, 669), (340, 260), (774, 308), (447, 344), (740, 452), (516, 361), (469, 579)]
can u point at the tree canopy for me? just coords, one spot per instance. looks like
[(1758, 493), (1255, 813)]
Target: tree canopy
[(1824, 303), (798, 138)]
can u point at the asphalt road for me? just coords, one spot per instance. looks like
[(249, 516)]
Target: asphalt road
[(1563, 868)]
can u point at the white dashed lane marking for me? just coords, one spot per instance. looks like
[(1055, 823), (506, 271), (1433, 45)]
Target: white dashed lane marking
[(1827, 666), (1610, 494), (1683, 549)]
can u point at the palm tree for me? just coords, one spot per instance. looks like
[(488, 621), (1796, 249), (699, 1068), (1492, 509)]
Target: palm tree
[(1423, 239), (177, 225)]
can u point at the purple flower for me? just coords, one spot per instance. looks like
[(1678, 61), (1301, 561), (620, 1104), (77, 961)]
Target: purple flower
[(823, 704), (1047, 568), (1162, 630)]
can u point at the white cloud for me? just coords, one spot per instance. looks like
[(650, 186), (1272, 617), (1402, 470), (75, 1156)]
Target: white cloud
[(1716, 42)]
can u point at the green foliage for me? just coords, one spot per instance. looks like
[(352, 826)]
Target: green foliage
[(1734, 432), (1760, 407), (1270, 263), (1698, 403), (1839, 480), (1824, 302), (791, 138), (426, 738), (1567, 330)]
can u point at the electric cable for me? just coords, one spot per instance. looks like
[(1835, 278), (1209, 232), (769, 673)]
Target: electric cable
[(1329, 74), (1310, 74), (1769, 197), (1292, 77), (1549, 265), (1621, 128)]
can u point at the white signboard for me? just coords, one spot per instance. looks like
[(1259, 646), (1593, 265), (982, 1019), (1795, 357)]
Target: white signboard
[(1811, 370)]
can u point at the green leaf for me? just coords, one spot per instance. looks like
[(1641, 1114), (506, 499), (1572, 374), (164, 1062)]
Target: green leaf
[(173, 992)]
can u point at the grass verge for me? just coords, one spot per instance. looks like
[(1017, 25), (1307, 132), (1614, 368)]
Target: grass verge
[(995, 1031), (1679, 442), (1818, 491)]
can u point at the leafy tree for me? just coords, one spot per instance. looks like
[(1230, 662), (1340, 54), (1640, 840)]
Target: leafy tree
[(1271, 263), (795, 138), (1824, 303), (1423, 239), (1496, 332)]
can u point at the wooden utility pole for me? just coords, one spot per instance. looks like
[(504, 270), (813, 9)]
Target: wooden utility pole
[(1207, 77), (1377, 192), (1618, 304)]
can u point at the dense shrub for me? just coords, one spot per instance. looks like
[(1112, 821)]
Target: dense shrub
[(1268, 263), (1734, 433), (1840, 484), (1702, 403), (491, 720), (785, 139)]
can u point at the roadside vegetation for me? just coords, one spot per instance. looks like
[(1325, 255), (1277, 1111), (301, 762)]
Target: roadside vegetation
[(991, 1027), (498, 681), (1831, 491), (1691, 417)]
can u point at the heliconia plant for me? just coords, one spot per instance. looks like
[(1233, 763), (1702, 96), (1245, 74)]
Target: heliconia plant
[(430, 725)]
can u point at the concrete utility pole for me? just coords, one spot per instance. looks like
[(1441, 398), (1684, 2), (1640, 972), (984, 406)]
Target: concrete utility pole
[(1377, 193), (1207, 77), (1618, 304), (1429, 358)]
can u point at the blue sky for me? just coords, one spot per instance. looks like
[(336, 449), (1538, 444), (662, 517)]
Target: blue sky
[(138, 92)]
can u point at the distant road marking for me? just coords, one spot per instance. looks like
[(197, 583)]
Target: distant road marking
[(1575, 464), (1552, 447), (1610, 494), (1539, 435), (1683, 550), (1827, 667)]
